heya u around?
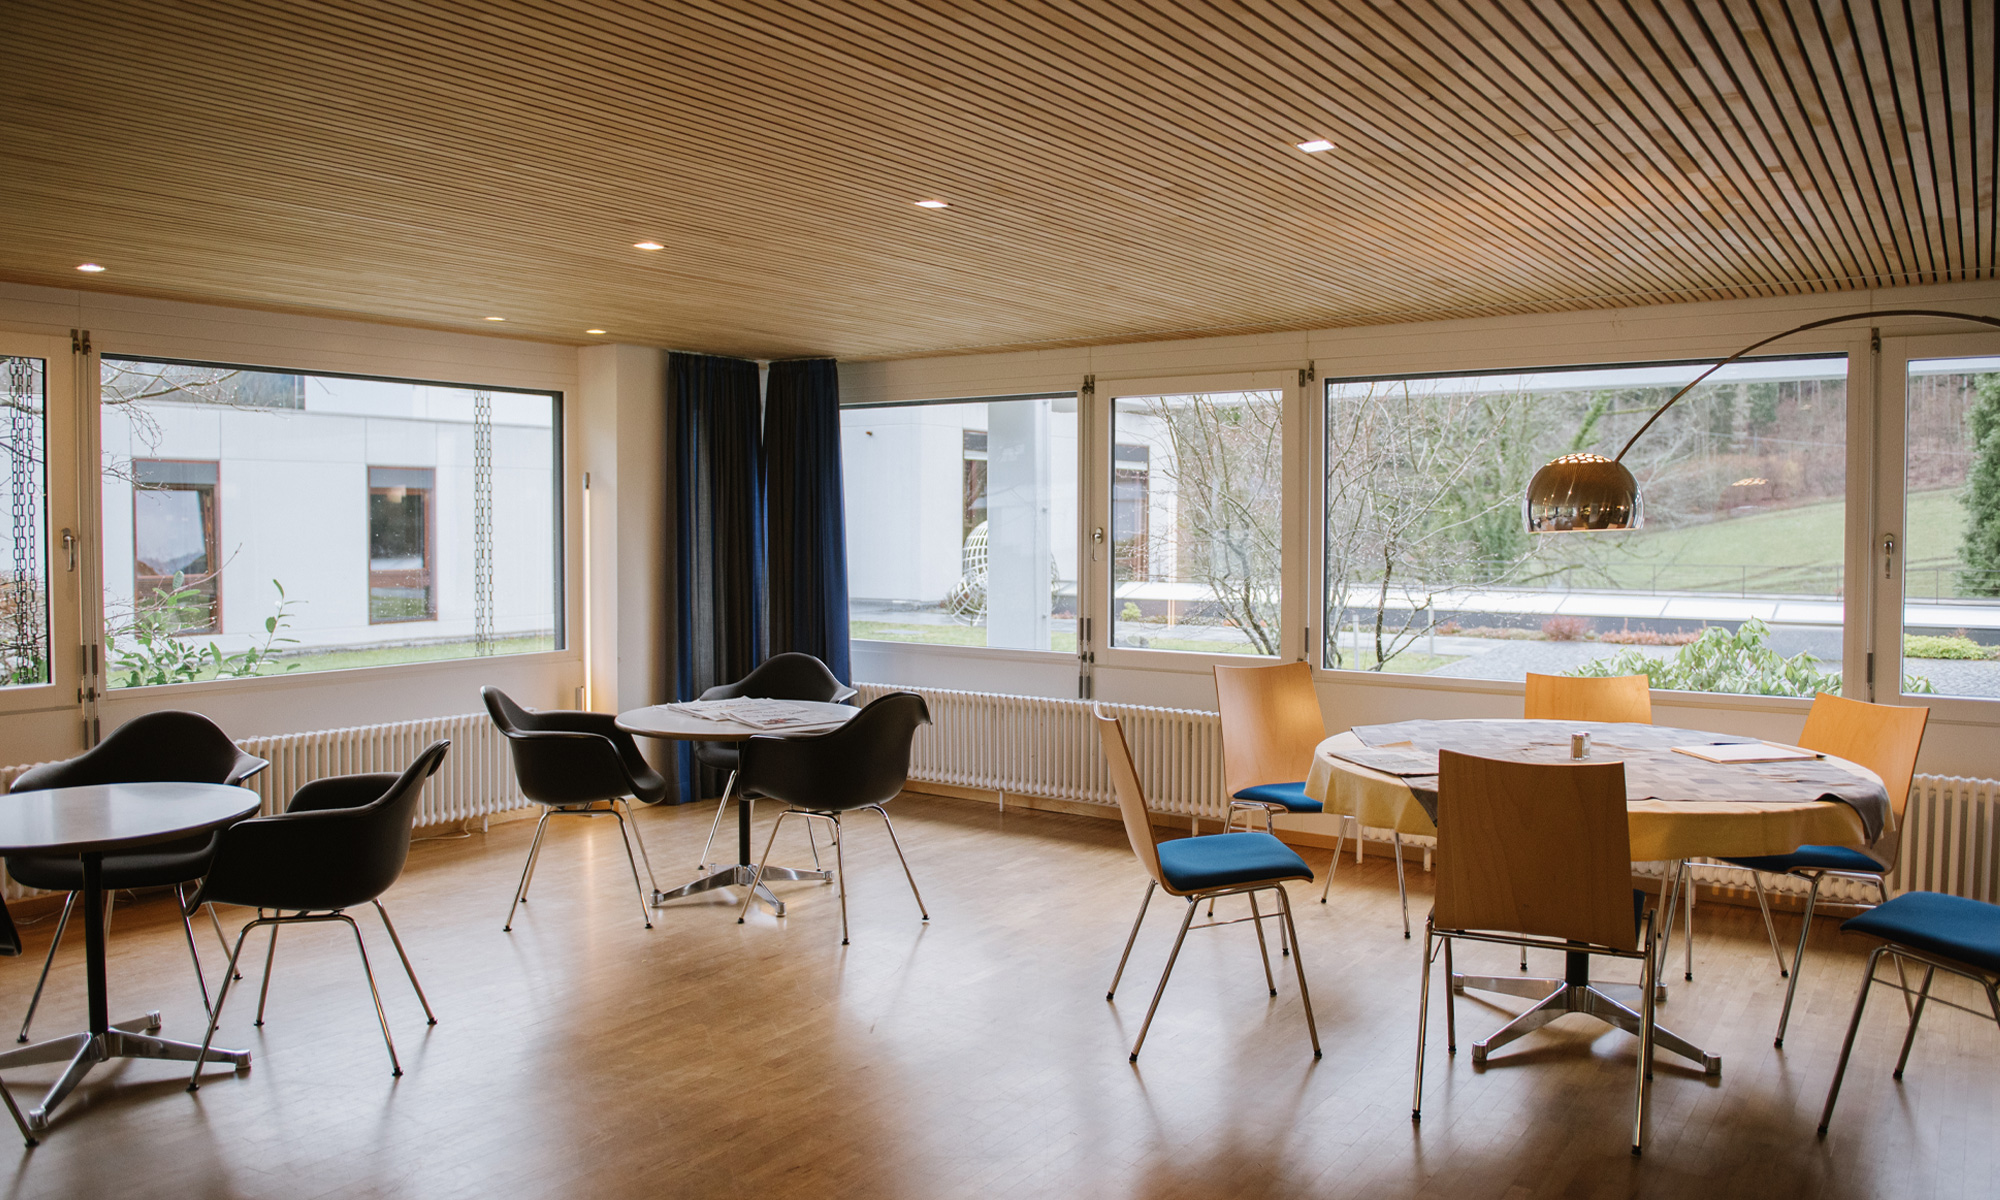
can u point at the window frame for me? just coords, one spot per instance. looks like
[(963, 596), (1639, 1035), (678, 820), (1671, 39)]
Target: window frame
[(1101, 467), (211, 534), (1885, 584), (67, 511)]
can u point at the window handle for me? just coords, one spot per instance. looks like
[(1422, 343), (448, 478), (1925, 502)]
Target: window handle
[(69, 547), (1888, 555)]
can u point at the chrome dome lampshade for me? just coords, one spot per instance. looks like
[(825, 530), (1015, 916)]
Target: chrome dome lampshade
[(1582, 492)]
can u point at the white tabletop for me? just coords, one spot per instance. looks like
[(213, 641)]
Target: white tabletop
[(116, 816), (666, 721)]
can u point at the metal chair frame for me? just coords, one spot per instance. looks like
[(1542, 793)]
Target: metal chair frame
[(628, 834), (1545, 1012), (1815, 876), (311, 918), (62, 923), (1932, 963), (1257, 918), (831, 817)]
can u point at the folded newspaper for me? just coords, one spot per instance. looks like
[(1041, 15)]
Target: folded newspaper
[(757, 714)]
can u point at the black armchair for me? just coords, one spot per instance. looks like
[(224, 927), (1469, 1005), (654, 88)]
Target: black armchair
[(569, 762), (341, 842), (182, 747), (788, 676), (862, 764)]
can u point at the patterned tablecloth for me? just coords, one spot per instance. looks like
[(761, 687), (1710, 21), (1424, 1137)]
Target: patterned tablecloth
[(1681, 806)]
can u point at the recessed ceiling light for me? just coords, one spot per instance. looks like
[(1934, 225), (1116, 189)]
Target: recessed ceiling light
[(90, 268), (1316, 146), (932, 204), (496, 318), (647, 246), (593, 331)]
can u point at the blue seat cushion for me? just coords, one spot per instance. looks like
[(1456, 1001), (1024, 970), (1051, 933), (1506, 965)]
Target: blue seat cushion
[(1953, 927), (1829, 858), (1291, 795), (1196, 864)]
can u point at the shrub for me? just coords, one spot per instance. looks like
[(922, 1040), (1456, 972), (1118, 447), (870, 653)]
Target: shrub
[(1917, 645), (1647, 637), (1740, 663), (1565, 629)]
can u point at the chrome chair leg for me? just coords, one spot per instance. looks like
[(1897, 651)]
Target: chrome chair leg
[(1339, 840), (897, 843), (1161, 990), (430, 1018), (625, 835), (631, 816), (1847, 1046), (220, 936), (1669, 905), (270, 953), (35, 1001), (1423, 1022), (757, 873), (1450, 1003), (1687, 920), (221, 997), (1798, 959), (728, 790), (20, 1122), (1263, 950), (1648, 1016), (1298, 966), (1917, 1014), (396, 1067), (527, 870), (1136, 921), (1401, 891), (840, 872), (1770, 930), (187, 924)]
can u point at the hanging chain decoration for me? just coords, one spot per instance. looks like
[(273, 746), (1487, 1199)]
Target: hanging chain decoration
[(26, 627), (482, 523)]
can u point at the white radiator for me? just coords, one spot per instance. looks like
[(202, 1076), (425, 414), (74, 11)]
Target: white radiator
[(476, 780), (1041, 747)]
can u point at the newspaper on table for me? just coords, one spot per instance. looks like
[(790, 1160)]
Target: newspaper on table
[(755, 713)]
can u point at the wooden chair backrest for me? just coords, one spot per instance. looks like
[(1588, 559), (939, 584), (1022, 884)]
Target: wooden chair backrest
[(1570, 698), (1884, 738), (1536, 848), (1131, 797), (1270, 724)]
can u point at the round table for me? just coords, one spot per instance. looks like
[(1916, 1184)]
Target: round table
[(90, 822), (671, 723), (1661, 829)]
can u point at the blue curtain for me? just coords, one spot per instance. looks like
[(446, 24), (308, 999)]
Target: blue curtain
[(804, 512), (718, 525)]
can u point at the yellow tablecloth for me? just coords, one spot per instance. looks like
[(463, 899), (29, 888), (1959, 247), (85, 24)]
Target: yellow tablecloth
[(1661, 829)]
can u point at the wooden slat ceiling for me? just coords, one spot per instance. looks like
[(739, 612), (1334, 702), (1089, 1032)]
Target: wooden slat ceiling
[(1116, 169)]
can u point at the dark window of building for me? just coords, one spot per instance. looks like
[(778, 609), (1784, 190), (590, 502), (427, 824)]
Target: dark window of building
[(400, 537), (175, 535)]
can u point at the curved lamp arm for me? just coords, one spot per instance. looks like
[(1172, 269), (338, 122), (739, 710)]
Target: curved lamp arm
[(1822, 322), (1580, 492)]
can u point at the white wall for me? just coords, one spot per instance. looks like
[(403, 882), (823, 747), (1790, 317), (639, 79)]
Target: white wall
[(1962, 737)]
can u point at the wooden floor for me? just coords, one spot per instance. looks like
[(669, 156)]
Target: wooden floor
[(582, 1055)]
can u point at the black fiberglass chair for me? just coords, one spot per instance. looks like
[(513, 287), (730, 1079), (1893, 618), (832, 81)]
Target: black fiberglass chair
[(862, 764), (181, 747), (570, 761), (339, 844), (788, 676)]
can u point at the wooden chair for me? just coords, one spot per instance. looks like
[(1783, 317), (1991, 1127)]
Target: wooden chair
[(1201, 868), (1271, 723), (1885, 738), (1572, 698), (1537, 855)]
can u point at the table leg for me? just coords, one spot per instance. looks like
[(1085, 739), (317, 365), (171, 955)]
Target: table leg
[(1574, 993), (104, 1040), (740, 873)]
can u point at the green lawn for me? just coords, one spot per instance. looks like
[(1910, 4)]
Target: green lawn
[(1796, 550), (940, 635)]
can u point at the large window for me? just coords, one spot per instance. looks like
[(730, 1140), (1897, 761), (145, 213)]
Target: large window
[(368, 521), (961, 522), (24, 570), (1197, 519), (1732, 585), (1951, 559)]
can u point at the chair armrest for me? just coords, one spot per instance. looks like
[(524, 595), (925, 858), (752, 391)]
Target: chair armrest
[(344, 791), (562, 767), (244, 767), (845, 695)]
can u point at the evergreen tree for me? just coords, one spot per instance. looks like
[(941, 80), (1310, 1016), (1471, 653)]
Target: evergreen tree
[(1979, 555)]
